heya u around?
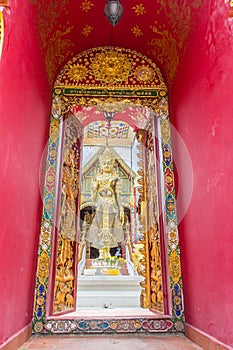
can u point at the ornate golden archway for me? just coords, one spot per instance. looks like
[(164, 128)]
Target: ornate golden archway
[(112, 80)]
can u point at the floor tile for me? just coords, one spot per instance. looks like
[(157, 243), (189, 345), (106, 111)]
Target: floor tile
[(109, 342)]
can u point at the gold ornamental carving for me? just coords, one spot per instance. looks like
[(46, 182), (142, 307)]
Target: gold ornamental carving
[(156, 270), (144, 263), (165, 130), (175, 269), (54, 130), (108, 67), (112, 106), (67, 225), (144, 73), (43, 267), (153, 235), (77, 73), (150, 266), (111, 67), (45, 235), (64, 281)]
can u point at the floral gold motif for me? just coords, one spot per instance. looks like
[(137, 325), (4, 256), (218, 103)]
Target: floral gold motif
[(50, 179), (109, 66), (169, 183), (144, 73), (38, 327), (86, 5), (175, 269), (54, 129), (111, 105), (58, 47), (77, 73), (139, 9), (54, 42), (87, 30), (167, 42), (165, 130), (163, 108), (179, 326), (164, 48), (43, 267), (112, 67), (173, 239), (136, 31)]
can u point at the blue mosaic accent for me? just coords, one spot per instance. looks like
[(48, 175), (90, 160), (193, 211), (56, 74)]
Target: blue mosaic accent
[(48, 206), (177, 300), (170, 206), (167, 154), (52, 153)]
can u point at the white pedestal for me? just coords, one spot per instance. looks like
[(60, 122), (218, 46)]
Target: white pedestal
[(109, 291)]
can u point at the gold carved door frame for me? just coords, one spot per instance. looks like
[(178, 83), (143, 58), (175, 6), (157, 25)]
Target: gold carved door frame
[(111, 79)]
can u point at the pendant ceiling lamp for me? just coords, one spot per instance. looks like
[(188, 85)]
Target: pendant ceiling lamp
[(109, 116), (113, 11)]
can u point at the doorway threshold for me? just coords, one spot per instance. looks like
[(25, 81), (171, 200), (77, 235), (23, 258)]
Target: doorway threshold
[(111, 312), (110, 320)]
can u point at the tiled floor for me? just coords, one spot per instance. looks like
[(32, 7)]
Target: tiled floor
[(109, 342)]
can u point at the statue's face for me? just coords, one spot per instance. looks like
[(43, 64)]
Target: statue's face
[(107, 165)]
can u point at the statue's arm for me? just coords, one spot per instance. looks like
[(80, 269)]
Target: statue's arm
[(118, 199)]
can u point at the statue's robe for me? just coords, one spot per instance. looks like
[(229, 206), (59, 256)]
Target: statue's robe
[(106, 230)]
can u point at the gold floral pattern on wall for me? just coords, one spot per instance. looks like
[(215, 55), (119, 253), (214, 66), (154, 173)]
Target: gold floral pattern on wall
[(86, 5), (158, 29), (57, 51), (167, 45), (54, 42), (136, 31), (139, 9), (87, 30)]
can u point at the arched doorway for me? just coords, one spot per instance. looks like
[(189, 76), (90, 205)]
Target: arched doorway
[(109, 84)]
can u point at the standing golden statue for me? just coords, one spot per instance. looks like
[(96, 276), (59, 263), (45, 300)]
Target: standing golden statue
[(106, 229)]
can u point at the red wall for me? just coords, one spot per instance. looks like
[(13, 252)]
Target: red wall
[(24, 120), (202, 111)]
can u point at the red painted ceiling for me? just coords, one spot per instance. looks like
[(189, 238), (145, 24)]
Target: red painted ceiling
[(158, 29)]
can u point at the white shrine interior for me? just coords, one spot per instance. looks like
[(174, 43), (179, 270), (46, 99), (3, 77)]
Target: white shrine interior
[(112, 283)]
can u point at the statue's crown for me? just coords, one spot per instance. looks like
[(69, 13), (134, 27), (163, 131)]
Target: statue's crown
[(107, 154)]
